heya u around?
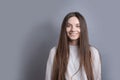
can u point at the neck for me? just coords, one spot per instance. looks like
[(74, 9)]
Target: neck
[(74, 42)]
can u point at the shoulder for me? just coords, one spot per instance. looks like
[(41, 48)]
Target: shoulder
[(94, 50), (51, 54), (52, 51), (95, 53)]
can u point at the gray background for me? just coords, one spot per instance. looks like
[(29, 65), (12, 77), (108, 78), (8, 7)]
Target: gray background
[(30, 28)]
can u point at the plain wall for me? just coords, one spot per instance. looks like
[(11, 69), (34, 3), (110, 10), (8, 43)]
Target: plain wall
[(30, 28)]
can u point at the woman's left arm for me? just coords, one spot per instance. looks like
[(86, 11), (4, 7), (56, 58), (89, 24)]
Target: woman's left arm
[(96, 58)]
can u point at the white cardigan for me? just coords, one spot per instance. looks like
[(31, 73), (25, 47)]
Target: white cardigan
[(73, 65)]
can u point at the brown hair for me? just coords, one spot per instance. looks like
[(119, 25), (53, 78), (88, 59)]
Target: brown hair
[(62, 52)]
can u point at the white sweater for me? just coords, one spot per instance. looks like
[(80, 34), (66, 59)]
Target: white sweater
[(73, 65)]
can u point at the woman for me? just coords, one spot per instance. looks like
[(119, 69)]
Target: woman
[(74, 58)]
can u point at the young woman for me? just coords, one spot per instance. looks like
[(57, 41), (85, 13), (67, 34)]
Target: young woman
[(74, 58)]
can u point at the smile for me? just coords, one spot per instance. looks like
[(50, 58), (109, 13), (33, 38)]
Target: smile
[(73, 33)]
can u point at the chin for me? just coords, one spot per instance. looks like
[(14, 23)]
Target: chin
[(74, 39)]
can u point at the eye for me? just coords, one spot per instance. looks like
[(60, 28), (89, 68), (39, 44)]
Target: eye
[(77, 26), (68, 25)]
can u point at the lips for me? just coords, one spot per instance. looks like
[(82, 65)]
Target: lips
[(73, 34)]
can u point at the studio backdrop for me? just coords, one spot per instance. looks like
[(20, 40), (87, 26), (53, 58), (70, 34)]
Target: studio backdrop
[(30, 28)]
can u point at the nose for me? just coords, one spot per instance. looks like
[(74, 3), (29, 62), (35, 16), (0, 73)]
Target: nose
[(73, 28)]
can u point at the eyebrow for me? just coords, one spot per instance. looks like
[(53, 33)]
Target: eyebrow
[(76, 23)]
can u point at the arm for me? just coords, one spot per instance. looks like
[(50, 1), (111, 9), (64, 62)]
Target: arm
[(50, 64), (96, 64)]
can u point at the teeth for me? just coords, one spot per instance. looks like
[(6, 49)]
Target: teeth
[(73, 33)]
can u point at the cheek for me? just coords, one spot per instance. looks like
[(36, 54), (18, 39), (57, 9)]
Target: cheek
[(79, 30), (67, 30)]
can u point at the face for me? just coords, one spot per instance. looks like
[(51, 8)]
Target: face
[(73, 28)]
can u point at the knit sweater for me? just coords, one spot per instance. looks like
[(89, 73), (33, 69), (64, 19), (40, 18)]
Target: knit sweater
[(72, 72)]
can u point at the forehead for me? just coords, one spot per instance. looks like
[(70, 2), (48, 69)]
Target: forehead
[(73, 20)]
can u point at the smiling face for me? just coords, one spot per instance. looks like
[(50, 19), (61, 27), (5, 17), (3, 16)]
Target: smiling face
[(73, 28)]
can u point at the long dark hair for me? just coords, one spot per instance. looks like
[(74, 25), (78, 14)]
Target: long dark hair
[(62, 52)]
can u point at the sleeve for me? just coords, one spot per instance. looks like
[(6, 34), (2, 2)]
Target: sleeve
[(49, 64), (96, 64)]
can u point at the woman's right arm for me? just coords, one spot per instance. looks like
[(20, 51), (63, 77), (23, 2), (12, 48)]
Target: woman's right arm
[(50, 64)]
